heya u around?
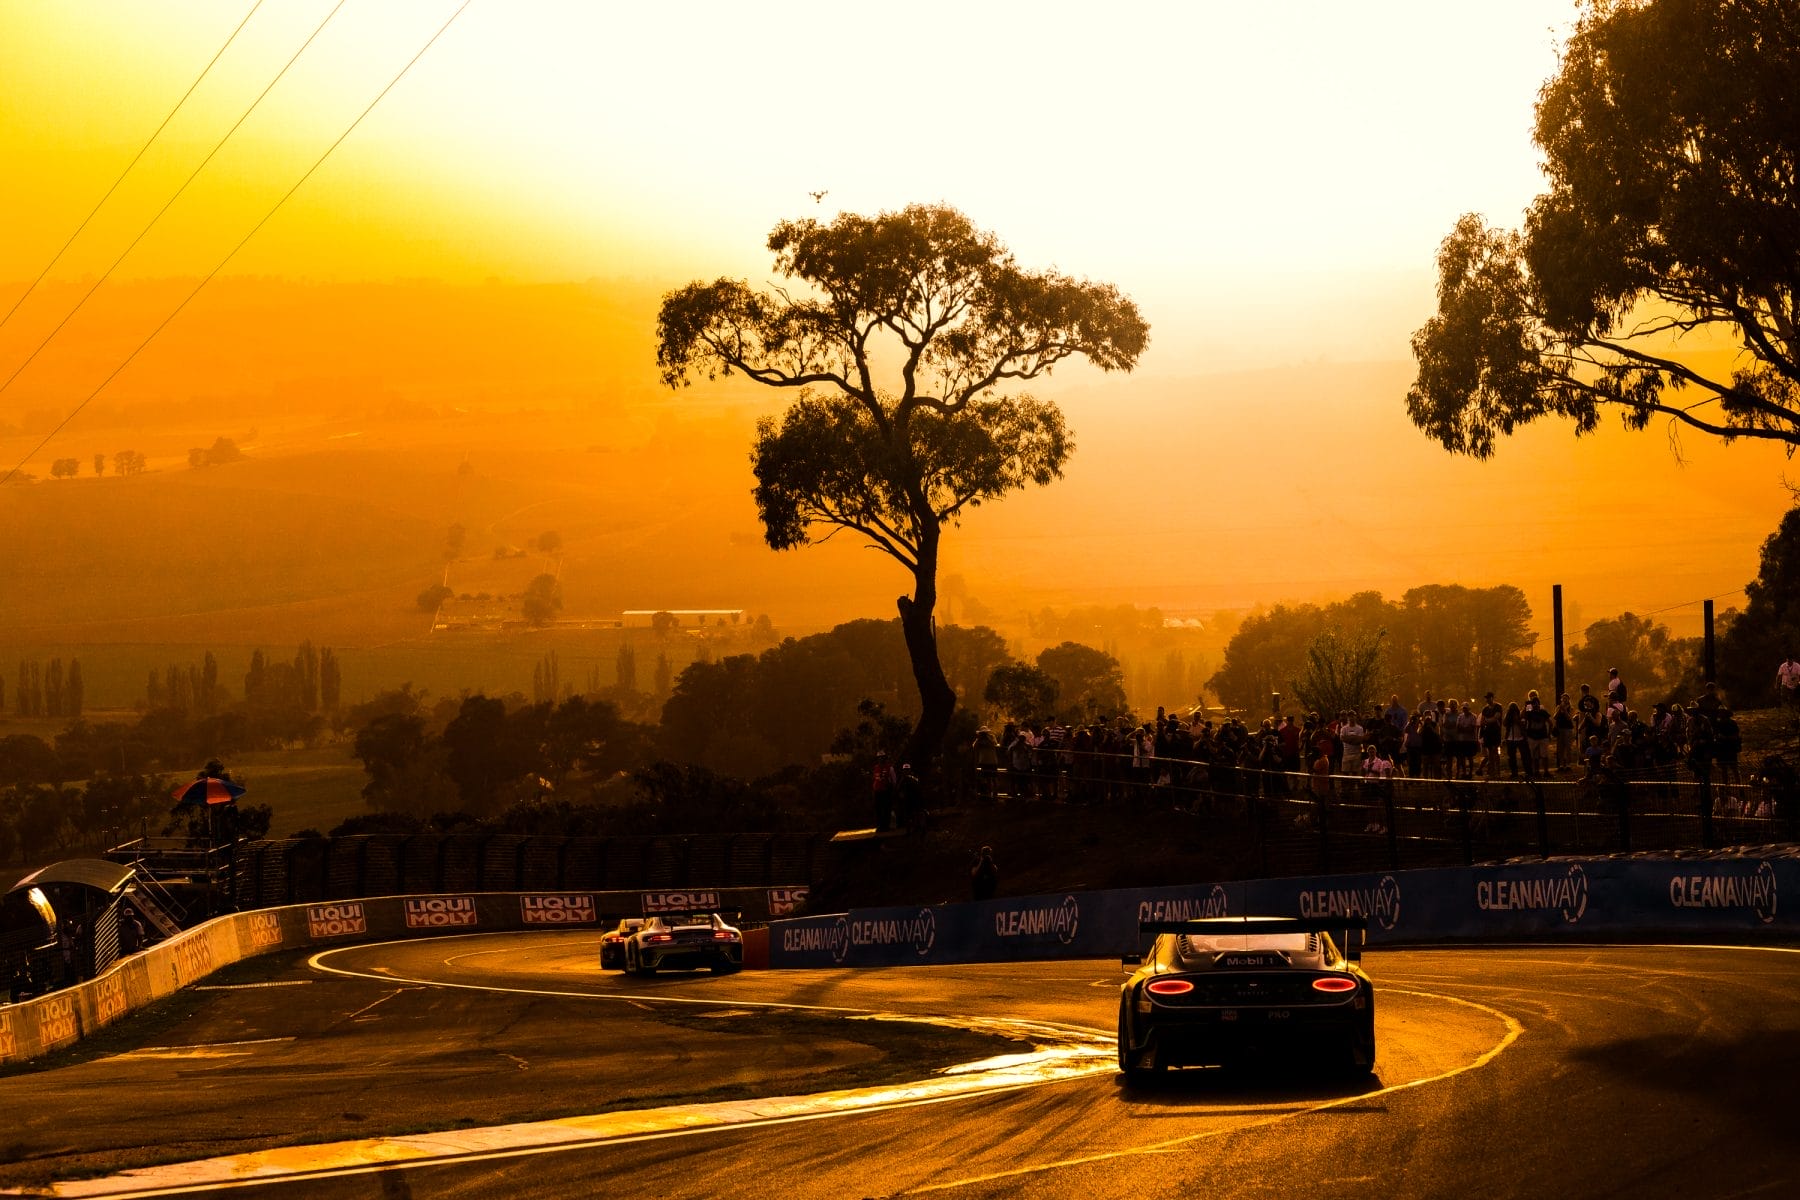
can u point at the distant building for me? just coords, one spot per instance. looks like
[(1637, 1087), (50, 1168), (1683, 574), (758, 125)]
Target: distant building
[(689, 618)]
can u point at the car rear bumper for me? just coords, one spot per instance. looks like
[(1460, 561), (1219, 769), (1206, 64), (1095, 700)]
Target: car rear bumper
[(1224, 1036), (730, 954)]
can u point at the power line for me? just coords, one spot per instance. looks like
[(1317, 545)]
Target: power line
[(1737, 591), (145, 231), (142, 150), (320, 161)]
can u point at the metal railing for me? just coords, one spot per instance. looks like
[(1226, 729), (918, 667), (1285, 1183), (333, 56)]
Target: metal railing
[(1296, 823)]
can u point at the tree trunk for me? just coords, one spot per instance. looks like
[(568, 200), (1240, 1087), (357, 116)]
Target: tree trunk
[(937, 701)]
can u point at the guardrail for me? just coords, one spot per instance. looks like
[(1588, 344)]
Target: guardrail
[(46, 1023)]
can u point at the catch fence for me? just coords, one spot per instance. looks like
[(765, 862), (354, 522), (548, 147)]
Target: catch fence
[(1283, 823)]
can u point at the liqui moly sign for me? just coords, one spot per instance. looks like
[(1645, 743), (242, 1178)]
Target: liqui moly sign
[(440, 912), (558, 908)]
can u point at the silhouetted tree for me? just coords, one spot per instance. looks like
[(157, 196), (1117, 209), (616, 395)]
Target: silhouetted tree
[(1343, 670), (331, 681), (625, 667), (1087, 680), (1019, 691), (896, 457), (1669, 140), (543, 600)]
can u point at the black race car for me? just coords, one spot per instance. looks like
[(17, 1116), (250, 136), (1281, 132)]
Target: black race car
[(1229, 991), (687, 940)]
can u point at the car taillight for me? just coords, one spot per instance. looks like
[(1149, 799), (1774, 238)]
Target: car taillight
[(720, 935), (1168, 987), (1334, 983), (660, 937)]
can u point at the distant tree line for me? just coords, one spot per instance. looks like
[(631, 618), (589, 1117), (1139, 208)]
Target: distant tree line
[(47, 691), (124, 462)]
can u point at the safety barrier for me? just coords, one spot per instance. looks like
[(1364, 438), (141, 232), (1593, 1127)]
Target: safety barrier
[(1593, 898), (38, 1026)]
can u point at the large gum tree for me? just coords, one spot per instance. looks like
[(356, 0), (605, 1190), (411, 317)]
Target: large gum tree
[(904, 336), (1671, 140)]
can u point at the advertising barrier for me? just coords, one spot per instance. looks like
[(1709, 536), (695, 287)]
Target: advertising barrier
[(38, 1026), (1590, 899)]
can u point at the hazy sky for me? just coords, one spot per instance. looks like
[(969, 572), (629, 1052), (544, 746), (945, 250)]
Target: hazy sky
[(1282, 172), (1269, 181)]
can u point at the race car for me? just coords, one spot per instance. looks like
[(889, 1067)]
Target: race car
[(685, 940), (612, 944), (1230, 991)]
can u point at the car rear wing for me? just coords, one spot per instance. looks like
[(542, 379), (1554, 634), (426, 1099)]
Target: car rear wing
[(1353, 931)]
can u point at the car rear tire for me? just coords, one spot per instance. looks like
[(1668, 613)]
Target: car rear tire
[(1135, 1075)]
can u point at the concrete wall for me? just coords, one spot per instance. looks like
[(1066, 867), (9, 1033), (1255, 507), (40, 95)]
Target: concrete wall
[(46, 1023)]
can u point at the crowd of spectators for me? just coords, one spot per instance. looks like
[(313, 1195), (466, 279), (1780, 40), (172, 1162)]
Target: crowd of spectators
[(1587, 735)]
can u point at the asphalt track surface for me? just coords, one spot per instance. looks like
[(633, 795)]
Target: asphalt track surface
[(1639, 1071)]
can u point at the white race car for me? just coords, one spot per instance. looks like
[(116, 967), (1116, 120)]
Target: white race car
[(685, 940)]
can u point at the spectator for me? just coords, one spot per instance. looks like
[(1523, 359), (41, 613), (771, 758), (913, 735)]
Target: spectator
[(1728, 743), (912, 800), (1492, 732), (1538, 725), (1563, 723), (1352, 734), (984, 876), (1787, 679), (987, 763), (1615, 690), (1709, 702), (1512, 735), (885, 785)]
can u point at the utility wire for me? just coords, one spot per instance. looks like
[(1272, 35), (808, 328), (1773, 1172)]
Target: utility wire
[(134, 162), (145, 232), (241, 243)]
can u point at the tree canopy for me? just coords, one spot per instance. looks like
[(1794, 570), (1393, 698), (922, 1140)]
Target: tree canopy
[(1671, 225), (903, 337)]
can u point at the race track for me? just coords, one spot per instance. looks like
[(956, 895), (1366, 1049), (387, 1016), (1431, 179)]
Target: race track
[(1522, 1071)]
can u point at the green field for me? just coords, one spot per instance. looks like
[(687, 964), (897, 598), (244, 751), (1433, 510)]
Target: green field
[(305, 789)]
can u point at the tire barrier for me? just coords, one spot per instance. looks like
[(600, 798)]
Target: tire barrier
[(59, 1019), (1558, 900)]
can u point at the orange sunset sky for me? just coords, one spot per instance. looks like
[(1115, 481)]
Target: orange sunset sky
[(1268, 182)]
